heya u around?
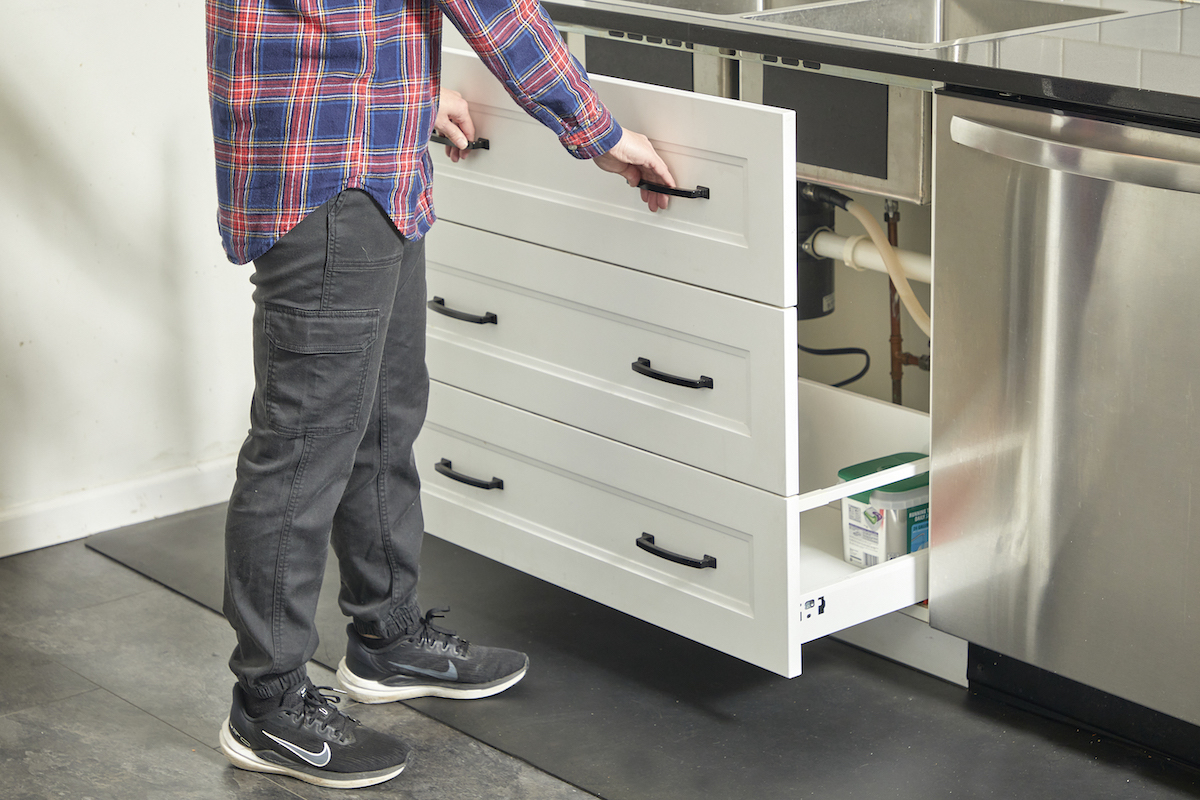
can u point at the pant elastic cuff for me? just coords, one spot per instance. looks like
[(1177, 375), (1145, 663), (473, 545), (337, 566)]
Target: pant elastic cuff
[(404, 621), (275, 685)]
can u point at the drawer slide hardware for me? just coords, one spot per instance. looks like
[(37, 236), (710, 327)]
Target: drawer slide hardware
[(642, 367), (439, 305), (646, 542), (478, 144), (444, 467), (699, 193)]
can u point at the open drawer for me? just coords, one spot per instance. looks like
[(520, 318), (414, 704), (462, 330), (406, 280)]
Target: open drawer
[(688, 373), (739, 240), (748, 572)]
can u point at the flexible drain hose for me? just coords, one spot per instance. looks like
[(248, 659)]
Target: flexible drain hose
[(892, 262)]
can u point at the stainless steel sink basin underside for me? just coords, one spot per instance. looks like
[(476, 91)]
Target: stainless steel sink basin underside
[(923, 23)]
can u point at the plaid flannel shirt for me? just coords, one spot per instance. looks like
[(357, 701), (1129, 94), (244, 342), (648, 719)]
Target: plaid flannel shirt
[(310, 97)]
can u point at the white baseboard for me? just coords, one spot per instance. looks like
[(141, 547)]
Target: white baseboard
[(73, 516)]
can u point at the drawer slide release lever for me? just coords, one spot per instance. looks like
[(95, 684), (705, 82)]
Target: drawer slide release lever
[(699, 193), (444, 467), (439, 305), (646, 542), (642, 367)]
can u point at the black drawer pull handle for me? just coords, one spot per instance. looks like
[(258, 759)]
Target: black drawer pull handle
[(444, 465), (642, 367), (699, 193), (439, 305), (478, 144), (646, 542)]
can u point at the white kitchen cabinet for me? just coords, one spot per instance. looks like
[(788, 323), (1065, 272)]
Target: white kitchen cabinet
[(706, 508)]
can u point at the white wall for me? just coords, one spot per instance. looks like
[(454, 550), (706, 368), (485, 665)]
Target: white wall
[(124, 333)]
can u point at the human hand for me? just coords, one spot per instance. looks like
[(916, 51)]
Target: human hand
[(635, 159), (454, 122)]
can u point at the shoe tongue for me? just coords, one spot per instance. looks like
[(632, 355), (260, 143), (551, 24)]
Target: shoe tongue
[(294, 699), (307, 695)]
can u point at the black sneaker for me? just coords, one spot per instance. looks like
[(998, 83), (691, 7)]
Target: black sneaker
[(307, 738), (430, 662)]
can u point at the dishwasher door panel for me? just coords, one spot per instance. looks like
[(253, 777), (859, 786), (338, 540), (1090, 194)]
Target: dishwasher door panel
[(1065, 417)]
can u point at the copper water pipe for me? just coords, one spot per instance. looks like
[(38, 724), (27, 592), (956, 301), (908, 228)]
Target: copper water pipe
[(900, 359)]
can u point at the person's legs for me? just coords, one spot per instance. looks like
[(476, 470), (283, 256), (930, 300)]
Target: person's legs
[(323, 303), (340, 395), (324, 298)]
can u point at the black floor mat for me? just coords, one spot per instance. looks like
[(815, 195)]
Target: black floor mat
[(628, 711)]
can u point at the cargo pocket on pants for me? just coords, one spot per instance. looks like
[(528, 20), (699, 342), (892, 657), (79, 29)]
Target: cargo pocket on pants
[(317, 363)]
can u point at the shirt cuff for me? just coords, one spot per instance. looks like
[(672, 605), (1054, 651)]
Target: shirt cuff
[(594, 141)]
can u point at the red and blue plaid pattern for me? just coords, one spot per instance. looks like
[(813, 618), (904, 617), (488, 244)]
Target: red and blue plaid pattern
[(310, 97)]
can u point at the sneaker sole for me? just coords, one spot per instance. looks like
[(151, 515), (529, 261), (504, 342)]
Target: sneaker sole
[(245, 758), (368, 691)]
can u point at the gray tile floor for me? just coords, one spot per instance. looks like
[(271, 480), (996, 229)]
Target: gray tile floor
[(113, 686)]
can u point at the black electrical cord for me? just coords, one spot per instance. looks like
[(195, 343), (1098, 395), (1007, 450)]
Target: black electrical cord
[(843, 351)]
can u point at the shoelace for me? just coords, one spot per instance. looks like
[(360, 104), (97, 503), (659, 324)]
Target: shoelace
[(317, 709), (433, 635)]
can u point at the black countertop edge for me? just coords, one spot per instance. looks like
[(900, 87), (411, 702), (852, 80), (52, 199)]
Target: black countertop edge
[(1179, 110)]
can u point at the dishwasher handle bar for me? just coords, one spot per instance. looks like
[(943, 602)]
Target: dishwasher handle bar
[(1090, 162)]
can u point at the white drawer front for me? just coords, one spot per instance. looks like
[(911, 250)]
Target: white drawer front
[(569, 331), (740, 241), (573, 505)]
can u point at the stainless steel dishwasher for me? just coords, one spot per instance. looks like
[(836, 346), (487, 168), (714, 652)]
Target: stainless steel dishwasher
[(1065, 491)]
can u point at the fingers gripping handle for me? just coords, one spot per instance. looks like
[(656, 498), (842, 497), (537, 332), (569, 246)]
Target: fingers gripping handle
[(700, 192), (478, 144)]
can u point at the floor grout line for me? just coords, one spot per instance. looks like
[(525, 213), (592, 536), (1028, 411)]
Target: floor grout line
[(95, 688)]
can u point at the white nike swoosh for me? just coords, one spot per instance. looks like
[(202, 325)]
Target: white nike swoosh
[(450, 674), (317, 759)]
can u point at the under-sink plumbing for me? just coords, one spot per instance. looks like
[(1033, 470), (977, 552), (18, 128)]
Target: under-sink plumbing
[(820, 246), (891, 260)]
